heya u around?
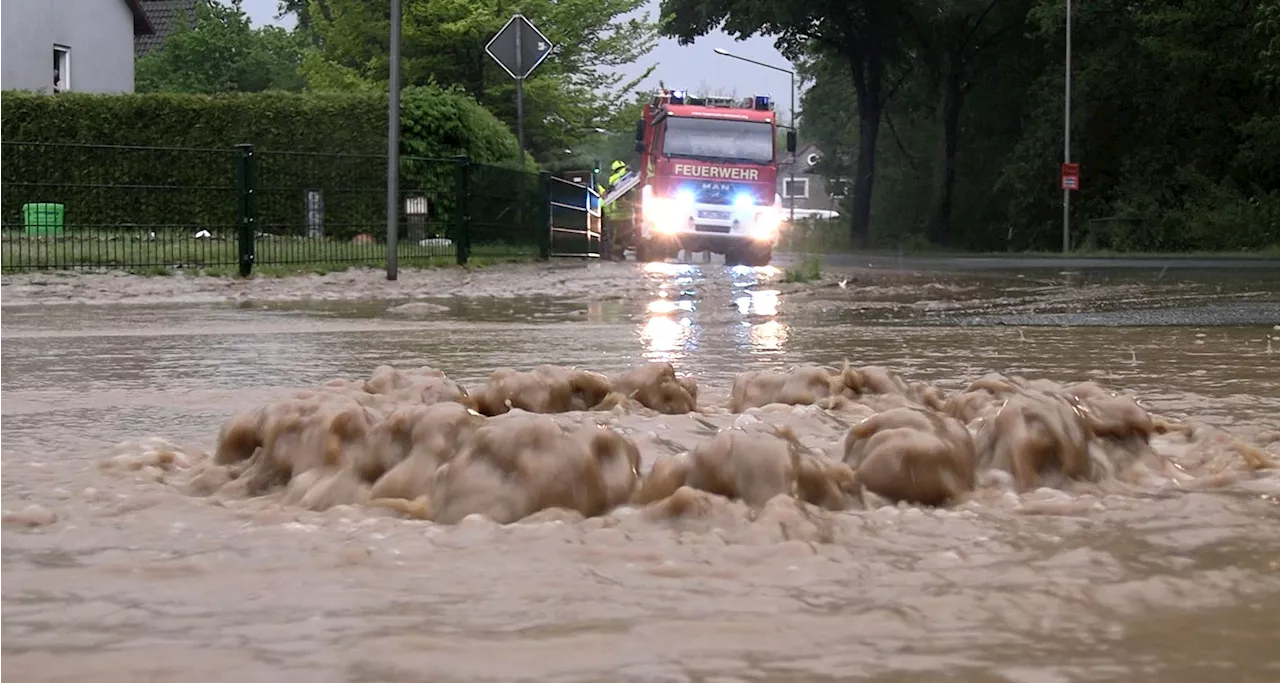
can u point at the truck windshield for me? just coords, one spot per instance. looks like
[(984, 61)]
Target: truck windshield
[(719, 140)]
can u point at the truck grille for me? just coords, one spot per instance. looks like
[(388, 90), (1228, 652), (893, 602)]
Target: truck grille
[(719, 197), (721, 229)]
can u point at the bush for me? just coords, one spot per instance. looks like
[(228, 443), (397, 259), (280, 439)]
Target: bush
[(807, 270), (434, 122), (168, 160)]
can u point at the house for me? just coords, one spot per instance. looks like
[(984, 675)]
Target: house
[(166, 17), (811, 190), (70, 45)]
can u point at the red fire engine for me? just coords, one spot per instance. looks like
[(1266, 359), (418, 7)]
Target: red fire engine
[(707, 179)]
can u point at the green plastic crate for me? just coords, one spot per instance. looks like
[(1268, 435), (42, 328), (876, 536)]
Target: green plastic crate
[(42, 219)]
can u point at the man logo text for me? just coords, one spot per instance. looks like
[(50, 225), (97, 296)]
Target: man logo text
[(717, 172)]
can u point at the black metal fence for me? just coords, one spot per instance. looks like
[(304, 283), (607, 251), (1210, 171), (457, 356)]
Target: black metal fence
[(148, 208)]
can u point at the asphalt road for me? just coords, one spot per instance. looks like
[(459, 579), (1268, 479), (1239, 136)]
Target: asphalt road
[(991, 263), (1217, 314), (1240, 291)]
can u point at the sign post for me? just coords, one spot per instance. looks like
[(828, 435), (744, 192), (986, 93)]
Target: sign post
[(1066, 144), (1070, 177), (519, 47)]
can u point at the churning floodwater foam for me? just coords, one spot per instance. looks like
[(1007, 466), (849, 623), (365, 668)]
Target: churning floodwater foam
[(567, 444)]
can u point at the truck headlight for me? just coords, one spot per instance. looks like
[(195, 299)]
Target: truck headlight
[(765, 226), (662, 213)]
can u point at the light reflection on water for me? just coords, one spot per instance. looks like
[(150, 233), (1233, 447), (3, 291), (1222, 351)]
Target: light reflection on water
[(765, 337), (667, 339), (684, 306)]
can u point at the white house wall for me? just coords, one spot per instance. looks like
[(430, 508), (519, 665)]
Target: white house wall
[(99, 33)]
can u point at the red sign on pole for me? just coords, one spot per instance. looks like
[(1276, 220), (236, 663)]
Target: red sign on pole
[(1071, 176)]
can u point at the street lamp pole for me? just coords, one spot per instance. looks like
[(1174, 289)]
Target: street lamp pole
[(1066, 141), (791, 194), (393, 143)]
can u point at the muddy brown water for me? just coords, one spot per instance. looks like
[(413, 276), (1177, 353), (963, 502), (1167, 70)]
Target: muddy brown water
[(117, 579)]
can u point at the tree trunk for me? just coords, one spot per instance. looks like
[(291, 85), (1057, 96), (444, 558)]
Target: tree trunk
[(942, 194), (869, 86)]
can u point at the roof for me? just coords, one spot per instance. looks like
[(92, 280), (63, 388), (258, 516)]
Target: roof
[(802, 158), (165, 17), (141, 24), (804, 150), (720, 112)]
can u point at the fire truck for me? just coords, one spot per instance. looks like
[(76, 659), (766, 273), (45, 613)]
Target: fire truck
[(707, 179)]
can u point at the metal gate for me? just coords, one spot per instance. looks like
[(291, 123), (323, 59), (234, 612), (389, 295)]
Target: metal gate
[(575, 220)]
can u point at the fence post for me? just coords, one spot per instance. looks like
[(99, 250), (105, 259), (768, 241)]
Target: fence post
[(247, 205), (544, 215), (462, 212)]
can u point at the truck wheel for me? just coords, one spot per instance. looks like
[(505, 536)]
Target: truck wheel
[(647, 253), (759, 257), (732, 257)]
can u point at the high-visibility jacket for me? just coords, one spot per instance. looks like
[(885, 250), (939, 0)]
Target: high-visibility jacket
[(610, 210), (619, 170)]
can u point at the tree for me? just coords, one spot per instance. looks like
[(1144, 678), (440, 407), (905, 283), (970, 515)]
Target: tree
[(902, 171), (221, 52), (957, 42), (1163, 95), (1174, 121), (864, 34), (302, 11), (944, 51), (443, 42)]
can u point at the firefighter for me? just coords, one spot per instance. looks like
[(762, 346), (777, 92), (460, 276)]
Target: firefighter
[(610, 213), (618, 170)]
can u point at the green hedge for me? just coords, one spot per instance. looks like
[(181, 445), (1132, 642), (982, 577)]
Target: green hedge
[(147, 161), (434, 122)]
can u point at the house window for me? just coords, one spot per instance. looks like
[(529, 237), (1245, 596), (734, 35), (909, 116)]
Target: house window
[(795, 187), (839, 188), (61, 68)]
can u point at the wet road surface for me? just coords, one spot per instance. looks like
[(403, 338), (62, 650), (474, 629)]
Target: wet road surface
[(1031, 263), (135, 582)]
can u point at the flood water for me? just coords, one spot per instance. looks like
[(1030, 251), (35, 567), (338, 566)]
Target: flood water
[(122, 580)]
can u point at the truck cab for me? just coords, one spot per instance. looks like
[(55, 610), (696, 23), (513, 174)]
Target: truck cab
[(708, 178)]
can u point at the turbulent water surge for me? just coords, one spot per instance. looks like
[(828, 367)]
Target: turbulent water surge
[(701, 474)]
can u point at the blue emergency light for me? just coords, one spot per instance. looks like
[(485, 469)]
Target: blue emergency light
[(762, 103), (677, 97)]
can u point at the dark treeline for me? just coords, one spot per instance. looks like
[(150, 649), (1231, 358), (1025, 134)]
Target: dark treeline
[(947, 116)]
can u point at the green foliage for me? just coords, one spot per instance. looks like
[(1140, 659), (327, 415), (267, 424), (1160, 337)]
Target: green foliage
[(1175, 122), (573, 92), (341, 46), (308, 123), (221, 52), (808, 270), (321, 75), (435, 122), (175, 167), (448, 123)]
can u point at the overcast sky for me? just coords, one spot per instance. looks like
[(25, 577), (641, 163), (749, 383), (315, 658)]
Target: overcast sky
[(692, 67)]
